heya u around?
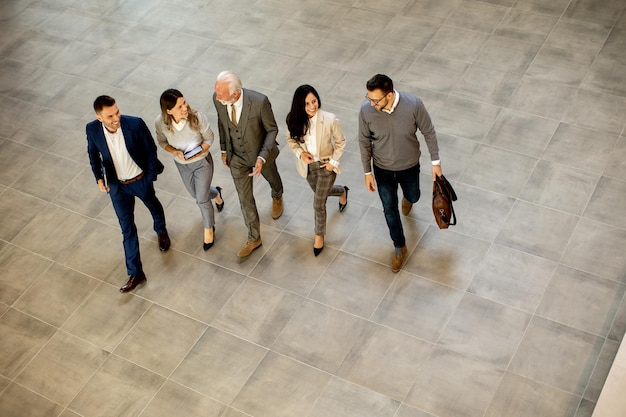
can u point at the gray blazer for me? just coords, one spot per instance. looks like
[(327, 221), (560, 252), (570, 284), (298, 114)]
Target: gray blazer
[(257, 124)]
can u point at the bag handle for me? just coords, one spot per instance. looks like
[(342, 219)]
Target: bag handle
[(446, 188)]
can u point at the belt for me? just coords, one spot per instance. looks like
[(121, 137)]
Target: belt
[(132, 180)]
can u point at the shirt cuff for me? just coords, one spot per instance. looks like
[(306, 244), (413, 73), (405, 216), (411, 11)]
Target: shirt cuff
[(333, 163), (261, 158), (436, 162)]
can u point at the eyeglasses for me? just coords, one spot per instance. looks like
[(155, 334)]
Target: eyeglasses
[(371, 100)]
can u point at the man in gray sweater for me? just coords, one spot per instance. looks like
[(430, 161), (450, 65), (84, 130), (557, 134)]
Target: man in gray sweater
[(388, 123)]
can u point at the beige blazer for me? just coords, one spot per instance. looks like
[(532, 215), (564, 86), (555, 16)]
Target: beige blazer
[(329, 137)]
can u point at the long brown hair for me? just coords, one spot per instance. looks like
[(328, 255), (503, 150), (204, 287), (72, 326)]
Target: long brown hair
[(168, 101)]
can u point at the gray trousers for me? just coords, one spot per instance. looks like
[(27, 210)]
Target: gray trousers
[(321, 182), (243, 184), (197, 177)]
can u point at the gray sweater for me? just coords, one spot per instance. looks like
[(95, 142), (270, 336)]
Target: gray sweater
[(391, 139)]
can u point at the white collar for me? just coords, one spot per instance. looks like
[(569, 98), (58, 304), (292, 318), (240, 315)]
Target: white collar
[(180, 125), (396, 99)]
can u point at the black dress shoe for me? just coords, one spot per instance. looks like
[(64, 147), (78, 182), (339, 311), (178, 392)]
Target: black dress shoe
[(317, 251), (164, 241), (343, 206), (220, 207), (207, 246), (133, 281)]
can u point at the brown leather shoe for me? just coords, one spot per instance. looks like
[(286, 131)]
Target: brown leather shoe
[(397, 260), (406, 206), (164, 241), (133, 281), (248, 248), (277, 207)]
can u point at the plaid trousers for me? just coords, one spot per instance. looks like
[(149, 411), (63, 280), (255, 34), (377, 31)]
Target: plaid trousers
[(322, 183)]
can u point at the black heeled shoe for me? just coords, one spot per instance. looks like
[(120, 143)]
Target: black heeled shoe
[(342, 207), (220, 207), (317, 251), (207, 246)]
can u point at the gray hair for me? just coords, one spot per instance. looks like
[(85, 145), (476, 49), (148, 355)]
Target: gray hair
[(234, 83)]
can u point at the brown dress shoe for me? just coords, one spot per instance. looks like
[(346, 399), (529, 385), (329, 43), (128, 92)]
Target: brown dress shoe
[(164, 241), (248, 248), (406, 206), (277, 207), (133, 281), (397, 260)]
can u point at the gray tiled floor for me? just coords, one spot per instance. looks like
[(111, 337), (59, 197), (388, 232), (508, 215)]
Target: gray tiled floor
[(518, 310)]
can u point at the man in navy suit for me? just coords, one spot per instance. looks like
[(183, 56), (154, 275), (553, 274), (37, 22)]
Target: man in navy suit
[(124, 161)]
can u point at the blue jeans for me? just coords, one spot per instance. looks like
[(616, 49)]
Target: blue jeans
[(387, 183)]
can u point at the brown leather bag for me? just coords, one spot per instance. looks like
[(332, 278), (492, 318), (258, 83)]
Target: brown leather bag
[(443, 196)]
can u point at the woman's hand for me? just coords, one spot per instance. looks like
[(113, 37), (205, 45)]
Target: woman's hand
[(306, 157), (328, 166)]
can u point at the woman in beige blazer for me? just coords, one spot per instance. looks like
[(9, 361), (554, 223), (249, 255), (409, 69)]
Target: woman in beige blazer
[(315, 136)]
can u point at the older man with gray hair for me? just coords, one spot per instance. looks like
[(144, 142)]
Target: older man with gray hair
[(248, 131)]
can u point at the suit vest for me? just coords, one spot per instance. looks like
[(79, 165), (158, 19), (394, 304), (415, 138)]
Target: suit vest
[(237, 141)]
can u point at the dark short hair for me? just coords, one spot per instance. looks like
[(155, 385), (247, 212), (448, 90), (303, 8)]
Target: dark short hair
[(380, 82), (101, 102)]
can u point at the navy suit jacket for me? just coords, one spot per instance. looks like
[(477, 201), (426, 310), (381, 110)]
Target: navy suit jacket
[(139, 143)]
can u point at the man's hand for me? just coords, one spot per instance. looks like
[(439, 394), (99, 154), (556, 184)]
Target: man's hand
[(224, 159), (437, 172), (370, 184), (103, 188), (256, 171)]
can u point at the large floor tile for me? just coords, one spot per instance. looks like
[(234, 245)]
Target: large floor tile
[(56, 294), (62, 368), (319, 335), (281, 387), (22, 338), (160, 340), (18, 401), (119, 388), (353, 284), (104, 322), (485, 330), (257, 312), (449, 384), (528, 398), (219, 365), (418, 306), (18, 270), (361, 402), (537, 230), (511, 125), (512, 277), (608, 202), (385, 360), (581, 300), (174, 399), (596, 248), (432, 257), (546, 344)]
